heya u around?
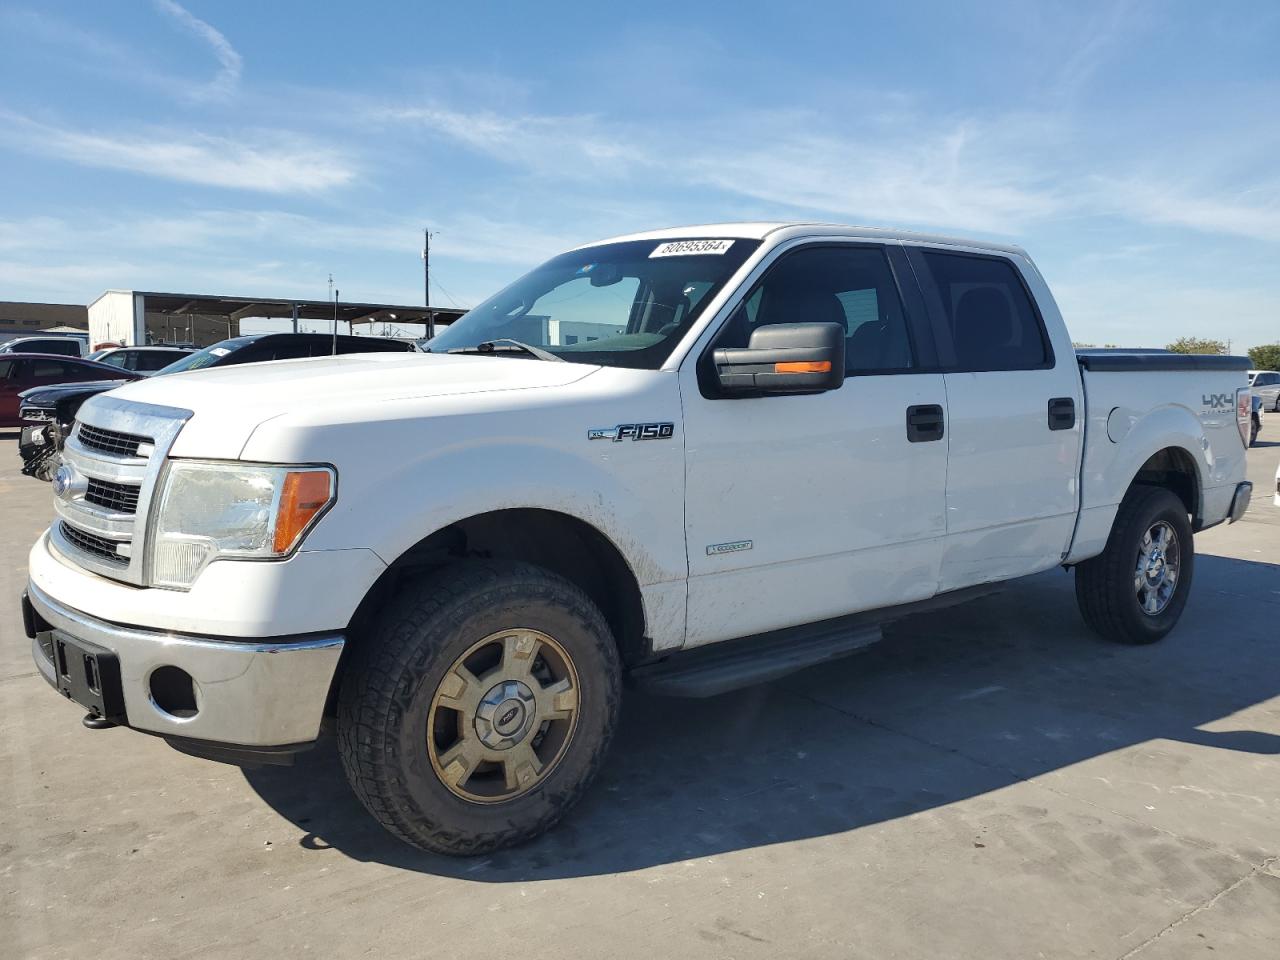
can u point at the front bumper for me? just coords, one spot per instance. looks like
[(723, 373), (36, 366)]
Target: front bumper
[(263, 695)]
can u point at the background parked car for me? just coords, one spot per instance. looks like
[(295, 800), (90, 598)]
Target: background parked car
[(22, 371), (259, 347), (144, 360), (55, 407), (1266, 386), (67, 346)]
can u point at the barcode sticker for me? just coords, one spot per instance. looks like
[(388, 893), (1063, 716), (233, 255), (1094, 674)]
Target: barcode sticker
[(683, 248)]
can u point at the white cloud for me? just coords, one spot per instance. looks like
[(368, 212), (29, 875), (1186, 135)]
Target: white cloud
[(962, 173), (271, 162), (230, 63), (546, 144), (957, 175), (1253, 213)]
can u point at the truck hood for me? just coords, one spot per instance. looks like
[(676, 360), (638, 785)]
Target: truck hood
[(230, 402)]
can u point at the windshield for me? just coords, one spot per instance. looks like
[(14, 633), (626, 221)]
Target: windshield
[(617, 304), (206, 357)]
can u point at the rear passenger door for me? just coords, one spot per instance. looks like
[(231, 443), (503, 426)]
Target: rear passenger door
[(1014, 415), (10, 387)]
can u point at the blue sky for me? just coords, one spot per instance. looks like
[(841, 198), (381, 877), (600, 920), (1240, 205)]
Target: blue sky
[(253, 148)]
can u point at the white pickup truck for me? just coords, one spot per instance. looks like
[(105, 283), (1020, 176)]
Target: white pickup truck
[(689, 459)]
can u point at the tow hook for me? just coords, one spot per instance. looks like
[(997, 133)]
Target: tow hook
[(95, 722)]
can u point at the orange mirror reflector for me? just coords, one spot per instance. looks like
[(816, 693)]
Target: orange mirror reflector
[(803, 366)]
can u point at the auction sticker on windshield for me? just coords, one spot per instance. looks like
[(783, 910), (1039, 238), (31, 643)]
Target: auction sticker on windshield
[(681, 248)]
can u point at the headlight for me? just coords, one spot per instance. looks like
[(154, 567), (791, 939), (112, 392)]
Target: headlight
[(210, 510)]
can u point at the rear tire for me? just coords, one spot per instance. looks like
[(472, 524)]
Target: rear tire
[(1125, 593), (479, 708), (1254, 427)]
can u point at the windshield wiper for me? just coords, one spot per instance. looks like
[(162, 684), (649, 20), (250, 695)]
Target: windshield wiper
[(494, 346)]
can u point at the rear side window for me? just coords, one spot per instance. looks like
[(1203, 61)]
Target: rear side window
[(148, 361), (993, 323), (49, 368), (293, 350), (64, 346)]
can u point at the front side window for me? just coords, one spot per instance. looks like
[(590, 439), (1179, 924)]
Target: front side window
[(993, 324), (850, 286), (618, 304)]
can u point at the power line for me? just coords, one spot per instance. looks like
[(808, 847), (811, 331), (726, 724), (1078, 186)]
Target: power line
[(452, 299)]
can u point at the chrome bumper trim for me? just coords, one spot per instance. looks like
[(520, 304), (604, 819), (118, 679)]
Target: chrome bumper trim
[(256, 694)]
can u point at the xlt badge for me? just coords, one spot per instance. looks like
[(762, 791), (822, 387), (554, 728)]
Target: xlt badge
[(633, 431)]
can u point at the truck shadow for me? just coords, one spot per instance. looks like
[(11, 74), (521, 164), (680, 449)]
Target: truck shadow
[(952, 705)]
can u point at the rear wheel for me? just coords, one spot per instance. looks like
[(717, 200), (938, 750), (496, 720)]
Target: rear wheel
[(1135, 590), (480, 708), (1254, 426)]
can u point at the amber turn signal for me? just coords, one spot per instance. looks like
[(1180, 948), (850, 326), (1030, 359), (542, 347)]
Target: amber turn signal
[(304, 495), (803, 366)]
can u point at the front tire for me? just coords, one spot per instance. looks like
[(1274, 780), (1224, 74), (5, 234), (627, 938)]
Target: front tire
[(1135, 590), (480, 707)]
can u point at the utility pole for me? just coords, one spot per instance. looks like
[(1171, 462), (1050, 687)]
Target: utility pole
[(426, 281), (336, 295)]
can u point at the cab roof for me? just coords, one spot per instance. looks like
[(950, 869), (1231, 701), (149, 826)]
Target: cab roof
[(789, 229)]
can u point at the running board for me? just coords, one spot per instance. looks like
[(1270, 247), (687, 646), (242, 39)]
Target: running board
[(731, 664), (721, 667)]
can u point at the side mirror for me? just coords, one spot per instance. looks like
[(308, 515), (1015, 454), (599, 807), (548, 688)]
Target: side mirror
[(784, 358)]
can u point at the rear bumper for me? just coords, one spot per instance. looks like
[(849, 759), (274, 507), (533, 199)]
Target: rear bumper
[(264, 695)]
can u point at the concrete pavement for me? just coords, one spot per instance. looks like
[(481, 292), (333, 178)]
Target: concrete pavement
[(991, 782)]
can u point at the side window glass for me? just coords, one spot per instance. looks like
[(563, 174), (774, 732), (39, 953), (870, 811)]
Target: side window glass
[(851, 286), (292, 351), (7, 369), (116, 359), (149, 362), (992, 321), (47, 368)]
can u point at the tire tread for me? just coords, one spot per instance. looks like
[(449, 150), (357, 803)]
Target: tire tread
[(410, 631)]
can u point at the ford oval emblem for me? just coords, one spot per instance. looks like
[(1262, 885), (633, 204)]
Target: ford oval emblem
[(63, 480)]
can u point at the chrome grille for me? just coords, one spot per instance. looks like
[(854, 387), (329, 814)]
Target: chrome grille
[(102, 508), (113, 495), (92, 543), (110, 441)]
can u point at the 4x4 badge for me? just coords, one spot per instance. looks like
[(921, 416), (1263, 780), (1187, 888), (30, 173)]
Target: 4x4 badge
[(633, 431)]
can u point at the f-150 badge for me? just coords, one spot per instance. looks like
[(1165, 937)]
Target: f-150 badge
[(633, 431)]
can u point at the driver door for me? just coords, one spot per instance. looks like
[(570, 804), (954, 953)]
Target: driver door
[(806, 507)]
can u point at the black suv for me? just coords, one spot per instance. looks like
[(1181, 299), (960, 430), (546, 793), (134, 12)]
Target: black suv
[(55, 407)]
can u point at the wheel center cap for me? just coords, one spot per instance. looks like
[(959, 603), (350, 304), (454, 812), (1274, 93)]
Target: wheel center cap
[(505, 714)]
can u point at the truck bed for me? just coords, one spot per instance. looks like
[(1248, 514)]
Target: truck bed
[(1183, 405)]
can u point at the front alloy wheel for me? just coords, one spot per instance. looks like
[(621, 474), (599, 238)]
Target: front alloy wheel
[(479, 707), (503, 716)]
